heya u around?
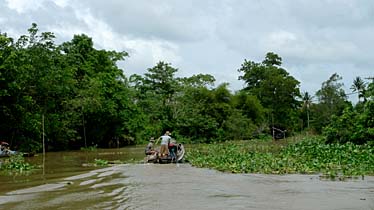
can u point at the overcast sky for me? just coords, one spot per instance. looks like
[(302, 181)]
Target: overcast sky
[(314, 38)]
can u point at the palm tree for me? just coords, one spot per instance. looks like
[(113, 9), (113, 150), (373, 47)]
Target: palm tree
[(307, 98), (359, 86)]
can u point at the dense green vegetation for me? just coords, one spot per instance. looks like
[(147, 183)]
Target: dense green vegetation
[(15, 163), (307, 156), (86, 100)]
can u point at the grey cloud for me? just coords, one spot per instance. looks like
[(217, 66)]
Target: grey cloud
[(11, 21), (166, 20), (46, 16), (314, 38), (325, 36), (335, 13)]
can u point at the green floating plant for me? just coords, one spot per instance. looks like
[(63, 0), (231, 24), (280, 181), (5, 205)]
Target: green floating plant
[(308, 156)]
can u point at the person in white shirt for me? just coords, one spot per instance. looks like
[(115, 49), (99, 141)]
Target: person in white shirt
[(165, 140)]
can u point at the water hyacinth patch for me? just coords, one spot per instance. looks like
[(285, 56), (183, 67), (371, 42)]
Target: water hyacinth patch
[(306, 156), (16, 163)]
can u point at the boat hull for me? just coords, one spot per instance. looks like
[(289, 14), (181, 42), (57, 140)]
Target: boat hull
[(156, 158)]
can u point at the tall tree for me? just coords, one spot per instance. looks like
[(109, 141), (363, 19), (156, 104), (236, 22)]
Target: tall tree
[(100, 94), (74, 85), (332, 101), (195, 119), (274, 87), (359, 86), (156, 95), (161, 79), (199, 80), (35, 85), (307, 99), (370, 89), (332, 92)]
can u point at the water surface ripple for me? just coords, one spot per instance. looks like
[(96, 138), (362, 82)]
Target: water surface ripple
[(181, 186)]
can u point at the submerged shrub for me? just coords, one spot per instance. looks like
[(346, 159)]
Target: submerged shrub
[(15, 162), (100, 162)]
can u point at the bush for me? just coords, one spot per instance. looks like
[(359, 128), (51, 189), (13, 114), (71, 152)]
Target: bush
[(100, 162), (352, 126), (16, 163)]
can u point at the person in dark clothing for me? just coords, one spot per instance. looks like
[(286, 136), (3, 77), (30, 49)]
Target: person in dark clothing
[(173, 150)]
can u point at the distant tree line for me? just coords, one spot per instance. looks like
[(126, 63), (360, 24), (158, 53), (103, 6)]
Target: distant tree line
[(86, 99)]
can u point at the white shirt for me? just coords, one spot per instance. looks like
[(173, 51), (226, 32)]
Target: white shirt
[(165, 139)]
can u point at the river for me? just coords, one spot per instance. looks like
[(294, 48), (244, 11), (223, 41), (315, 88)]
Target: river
[(65, 184)]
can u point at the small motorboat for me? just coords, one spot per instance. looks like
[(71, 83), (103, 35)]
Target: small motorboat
[(176, 155), (5, 151)]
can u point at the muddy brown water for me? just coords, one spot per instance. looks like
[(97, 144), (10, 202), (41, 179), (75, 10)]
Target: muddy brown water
[(67, 185)]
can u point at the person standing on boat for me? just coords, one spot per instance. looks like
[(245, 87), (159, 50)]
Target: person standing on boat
[(173, 150), (165, 140)]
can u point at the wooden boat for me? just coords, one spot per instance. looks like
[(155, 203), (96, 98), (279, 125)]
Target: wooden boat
[(6, 152), (176, 157)]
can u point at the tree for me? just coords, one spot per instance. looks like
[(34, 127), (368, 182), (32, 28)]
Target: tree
[(155, 94), (274, 87), (101, 91), (359, 87), (307, 99), (161, 79), (370, 89), (75, 86), (200, 80), (249, 106), (332, 92), (33, 81), (195, 119), (332, 101), (352, 125)]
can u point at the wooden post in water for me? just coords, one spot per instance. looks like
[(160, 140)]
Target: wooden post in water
[(43, 146), (84, 129)]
